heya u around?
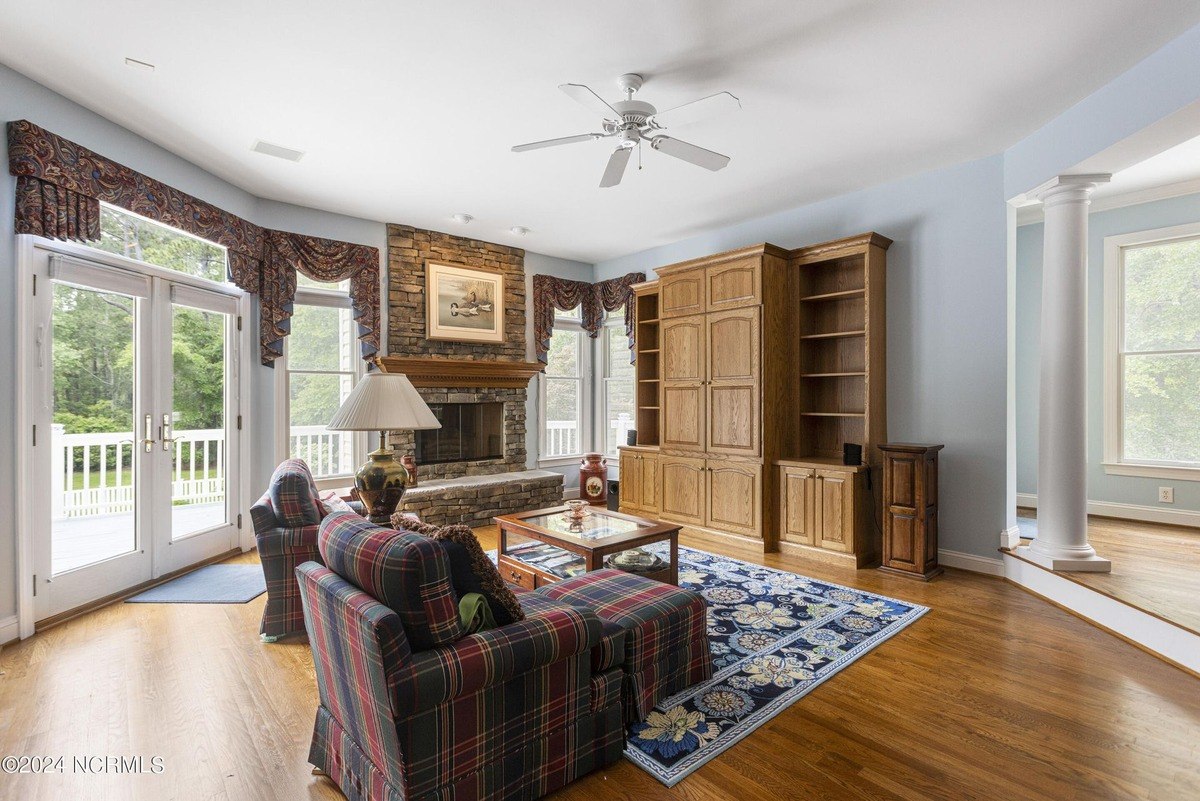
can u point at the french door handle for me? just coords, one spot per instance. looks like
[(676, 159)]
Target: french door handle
[(148, 438)]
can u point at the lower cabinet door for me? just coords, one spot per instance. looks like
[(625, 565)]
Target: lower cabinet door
[(797, 496), (648, 481), (683, 489), (631, 482), (734, 497), (835, 510)]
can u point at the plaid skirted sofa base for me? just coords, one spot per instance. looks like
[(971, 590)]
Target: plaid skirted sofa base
[(666, 646), (508, 713)]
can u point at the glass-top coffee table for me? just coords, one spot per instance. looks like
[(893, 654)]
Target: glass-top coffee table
[(544, 546)]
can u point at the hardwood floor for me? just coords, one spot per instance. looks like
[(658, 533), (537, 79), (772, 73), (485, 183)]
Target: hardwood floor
[(1154, 567), (992, 695)]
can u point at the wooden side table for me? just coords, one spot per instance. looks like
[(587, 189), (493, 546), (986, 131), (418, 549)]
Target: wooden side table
[(910, 509)]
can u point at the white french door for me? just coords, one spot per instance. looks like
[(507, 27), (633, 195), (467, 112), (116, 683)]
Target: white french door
[(134, 397)]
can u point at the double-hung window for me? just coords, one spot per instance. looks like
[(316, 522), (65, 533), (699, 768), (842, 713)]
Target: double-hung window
[(320, 366), (563, 391), (618, 384), (1152, 353)]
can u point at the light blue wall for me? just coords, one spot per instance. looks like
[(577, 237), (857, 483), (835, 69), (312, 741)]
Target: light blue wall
[(946, 317), (1101, 486)]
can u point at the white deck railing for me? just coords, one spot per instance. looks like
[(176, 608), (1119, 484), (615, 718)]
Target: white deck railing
[(102, 467), (328, 453), (562, 436)]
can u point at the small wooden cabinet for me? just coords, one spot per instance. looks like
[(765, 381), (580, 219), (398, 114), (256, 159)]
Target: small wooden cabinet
[(734, 496), (824, 510), (724, 494), (639, 481), (910, 509)]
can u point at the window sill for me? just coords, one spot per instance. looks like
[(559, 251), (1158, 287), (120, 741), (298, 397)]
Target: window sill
[(1152, 471), (560, 461), (334, 482)]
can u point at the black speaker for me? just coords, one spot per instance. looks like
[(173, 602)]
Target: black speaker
[(851, 454), (631, 437)]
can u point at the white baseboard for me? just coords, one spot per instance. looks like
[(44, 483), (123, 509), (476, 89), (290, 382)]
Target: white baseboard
[(1169, 641), (8, 629), (1128, 511), (969, 561)]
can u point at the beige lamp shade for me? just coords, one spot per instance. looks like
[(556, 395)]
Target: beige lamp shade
[(384, 402)]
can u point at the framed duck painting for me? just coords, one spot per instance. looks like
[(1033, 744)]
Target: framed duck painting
[(462, 304)]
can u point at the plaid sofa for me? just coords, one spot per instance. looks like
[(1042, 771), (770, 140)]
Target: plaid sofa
[(411, 709), (286, 519)]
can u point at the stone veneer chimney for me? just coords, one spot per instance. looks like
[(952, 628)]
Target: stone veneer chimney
[(408, 251)]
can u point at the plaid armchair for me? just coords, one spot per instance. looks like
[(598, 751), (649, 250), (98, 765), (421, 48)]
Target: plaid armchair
[(286, 519), (411, 708)]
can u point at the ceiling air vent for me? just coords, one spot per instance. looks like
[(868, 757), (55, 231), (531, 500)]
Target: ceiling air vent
[(278, 151)]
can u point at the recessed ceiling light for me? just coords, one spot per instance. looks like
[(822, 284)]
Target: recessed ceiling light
[(141, 65), (462, 219), (519, 230), (278, 151)]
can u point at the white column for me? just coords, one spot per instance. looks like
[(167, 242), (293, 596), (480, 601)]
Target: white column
[(1062, 541)]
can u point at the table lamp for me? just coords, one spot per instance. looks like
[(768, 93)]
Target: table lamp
[(383, 402)]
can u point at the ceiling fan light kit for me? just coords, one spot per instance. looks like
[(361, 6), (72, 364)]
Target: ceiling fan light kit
[(631, 122)]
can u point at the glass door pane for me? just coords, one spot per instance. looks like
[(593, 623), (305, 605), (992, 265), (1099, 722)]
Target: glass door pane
[(93, 464), (194, 432)]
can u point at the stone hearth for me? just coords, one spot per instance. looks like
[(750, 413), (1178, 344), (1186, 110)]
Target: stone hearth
[(475, 500)]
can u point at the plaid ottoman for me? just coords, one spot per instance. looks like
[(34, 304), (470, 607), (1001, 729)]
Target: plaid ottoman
[(666, 639)]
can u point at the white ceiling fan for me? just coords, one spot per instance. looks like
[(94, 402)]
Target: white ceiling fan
[(631, 122)]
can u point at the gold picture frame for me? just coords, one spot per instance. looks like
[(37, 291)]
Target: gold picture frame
[(463, 304)]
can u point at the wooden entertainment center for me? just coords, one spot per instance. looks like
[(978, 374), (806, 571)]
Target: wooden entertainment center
[(753, 368)]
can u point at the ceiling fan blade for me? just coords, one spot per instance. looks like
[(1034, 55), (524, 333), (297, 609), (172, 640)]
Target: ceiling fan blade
[(720, 103), (616, 167), (590, 100), (562, 140), (693, 154)]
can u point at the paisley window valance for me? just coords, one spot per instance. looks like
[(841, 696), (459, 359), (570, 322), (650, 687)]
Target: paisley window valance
[(60, 185), (593, 300)]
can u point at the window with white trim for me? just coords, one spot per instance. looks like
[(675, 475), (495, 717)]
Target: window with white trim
[(1152, 353), (617, 398), (563, 391), (321, 365)]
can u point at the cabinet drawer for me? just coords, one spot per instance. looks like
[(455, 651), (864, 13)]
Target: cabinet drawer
[(517, 574)]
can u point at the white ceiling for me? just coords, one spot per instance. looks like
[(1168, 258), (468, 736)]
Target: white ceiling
[(406, 111)]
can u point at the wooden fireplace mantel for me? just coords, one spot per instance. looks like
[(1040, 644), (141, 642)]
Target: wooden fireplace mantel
[(461, 372)]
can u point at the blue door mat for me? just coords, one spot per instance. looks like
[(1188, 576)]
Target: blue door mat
[(214, 584)]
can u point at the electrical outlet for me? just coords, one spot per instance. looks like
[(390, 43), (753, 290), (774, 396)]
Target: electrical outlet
[(1166, 495)]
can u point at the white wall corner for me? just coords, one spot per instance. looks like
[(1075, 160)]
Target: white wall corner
[(971, 562), (8, 629), (1010, 537)]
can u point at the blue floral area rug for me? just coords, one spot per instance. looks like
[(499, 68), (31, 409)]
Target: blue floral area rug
[(774, 636)]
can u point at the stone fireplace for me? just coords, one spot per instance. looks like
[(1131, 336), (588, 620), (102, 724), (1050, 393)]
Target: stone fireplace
[(479, 390)]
